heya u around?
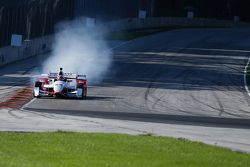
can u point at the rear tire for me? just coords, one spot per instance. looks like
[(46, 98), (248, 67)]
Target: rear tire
[(84, 95), (84, 90)]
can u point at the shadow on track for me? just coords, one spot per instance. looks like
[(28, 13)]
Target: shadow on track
[(220, 70), (75, 98), (155, 118)]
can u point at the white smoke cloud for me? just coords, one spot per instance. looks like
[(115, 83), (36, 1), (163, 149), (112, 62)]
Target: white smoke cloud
[(79, 49)]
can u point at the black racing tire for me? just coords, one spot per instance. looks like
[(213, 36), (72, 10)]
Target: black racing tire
[(84, 95), (79, 85), (38, 84), (36, 96)]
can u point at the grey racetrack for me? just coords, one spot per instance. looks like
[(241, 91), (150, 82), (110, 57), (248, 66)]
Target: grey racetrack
[(194, 72)]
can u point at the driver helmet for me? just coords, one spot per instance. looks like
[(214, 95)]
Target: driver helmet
[(60, 72)]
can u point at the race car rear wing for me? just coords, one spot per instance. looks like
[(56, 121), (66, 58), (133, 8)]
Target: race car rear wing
[(81, 77), (52, 75), (68, 75)]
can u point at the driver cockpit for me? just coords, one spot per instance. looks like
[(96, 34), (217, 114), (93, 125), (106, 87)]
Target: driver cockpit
[(60, 76)]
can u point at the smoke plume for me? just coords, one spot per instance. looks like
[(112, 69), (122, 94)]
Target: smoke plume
[(79, 49)]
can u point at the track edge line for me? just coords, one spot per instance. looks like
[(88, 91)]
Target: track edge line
[(245, 77)]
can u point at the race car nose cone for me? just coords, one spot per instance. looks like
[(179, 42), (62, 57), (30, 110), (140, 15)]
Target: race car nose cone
[(58, 86)]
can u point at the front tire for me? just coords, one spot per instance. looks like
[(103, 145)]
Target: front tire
[(36, 96), (37, 85)]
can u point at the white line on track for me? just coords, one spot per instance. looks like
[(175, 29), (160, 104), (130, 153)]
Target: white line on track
[(245, 77), (27, 104)]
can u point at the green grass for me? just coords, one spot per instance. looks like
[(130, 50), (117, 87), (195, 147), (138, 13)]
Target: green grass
[(134, 33), (61, 149)]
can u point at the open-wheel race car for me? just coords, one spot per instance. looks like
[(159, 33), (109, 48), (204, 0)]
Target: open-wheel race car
[(61, 85)]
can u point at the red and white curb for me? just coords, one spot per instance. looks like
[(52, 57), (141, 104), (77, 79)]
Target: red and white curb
[(245, 77)]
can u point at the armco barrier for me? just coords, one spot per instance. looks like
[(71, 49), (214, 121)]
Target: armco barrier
[(29, 48), (135, 23)]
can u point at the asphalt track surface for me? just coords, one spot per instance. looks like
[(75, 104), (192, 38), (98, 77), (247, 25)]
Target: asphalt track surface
[(191, 75), (183, 83)]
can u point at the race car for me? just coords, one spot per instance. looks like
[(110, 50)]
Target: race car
[(61, 85)]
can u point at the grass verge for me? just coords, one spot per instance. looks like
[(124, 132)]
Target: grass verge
[(135, 33), (61, 149)]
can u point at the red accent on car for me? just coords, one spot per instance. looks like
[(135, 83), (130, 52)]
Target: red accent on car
[(83, 81), (43, 80)]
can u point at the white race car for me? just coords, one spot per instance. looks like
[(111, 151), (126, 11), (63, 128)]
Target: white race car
[(61, 85)]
